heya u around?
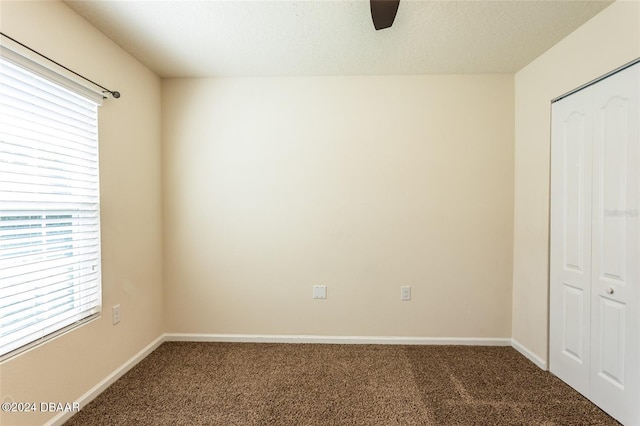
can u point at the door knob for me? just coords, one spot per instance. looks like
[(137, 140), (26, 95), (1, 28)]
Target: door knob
[(609, 290)]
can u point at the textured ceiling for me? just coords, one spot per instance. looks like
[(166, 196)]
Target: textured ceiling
[(270, 38)]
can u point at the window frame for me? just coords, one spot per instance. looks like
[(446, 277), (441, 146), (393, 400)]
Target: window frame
[(20, 57)]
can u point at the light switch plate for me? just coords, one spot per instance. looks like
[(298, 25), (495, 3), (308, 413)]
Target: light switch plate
[(405, 292)]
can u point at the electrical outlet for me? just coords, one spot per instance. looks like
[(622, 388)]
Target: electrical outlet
[(319, 291), (115, 312), (405, 292)]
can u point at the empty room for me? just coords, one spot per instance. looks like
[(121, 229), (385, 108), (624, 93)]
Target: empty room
[(356, 212)]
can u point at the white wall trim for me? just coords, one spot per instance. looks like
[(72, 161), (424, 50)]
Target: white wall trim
[(107, 381), (529, 354), (366, 340)]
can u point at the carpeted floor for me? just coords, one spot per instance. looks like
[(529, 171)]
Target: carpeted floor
[(311, 384)]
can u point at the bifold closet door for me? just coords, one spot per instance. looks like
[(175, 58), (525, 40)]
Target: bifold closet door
[(615, 270), (595, 239), (570, 241)]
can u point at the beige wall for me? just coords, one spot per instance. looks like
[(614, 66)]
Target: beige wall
[(64, 369), (610, 39), (363, 184)]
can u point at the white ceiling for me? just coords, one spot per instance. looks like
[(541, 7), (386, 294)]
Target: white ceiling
[(184, 38)]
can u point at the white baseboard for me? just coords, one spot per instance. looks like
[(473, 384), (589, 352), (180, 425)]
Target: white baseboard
[(107, 381), (373, 340), (529, 354)]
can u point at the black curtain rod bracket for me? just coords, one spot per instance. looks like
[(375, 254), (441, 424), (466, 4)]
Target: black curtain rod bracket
[(114, 93)]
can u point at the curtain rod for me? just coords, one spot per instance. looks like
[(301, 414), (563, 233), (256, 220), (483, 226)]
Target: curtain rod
[(113, 93)]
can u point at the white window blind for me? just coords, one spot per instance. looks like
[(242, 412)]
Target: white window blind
[(49, 208)]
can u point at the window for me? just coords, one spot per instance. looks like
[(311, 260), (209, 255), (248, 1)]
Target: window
[(50, 276)]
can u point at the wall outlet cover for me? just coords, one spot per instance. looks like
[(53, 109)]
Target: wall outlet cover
[(319, 291)]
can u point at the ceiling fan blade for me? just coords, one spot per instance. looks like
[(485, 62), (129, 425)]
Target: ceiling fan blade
[(383, 12)]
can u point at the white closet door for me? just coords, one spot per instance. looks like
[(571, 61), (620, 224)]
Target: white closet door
[(595, 243), (615, 278), (570, 250)]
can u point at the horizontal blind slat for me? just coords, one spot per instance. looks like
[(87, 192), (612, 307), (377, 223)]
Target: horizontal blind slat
[(43, 170), (25, 339), (62, 318), (23, 311), (51, 91), (29, 197), (16, 258), (43, 189), (29, 272), (17, 91), (48, 153), (14, 294), (21, 111), (20, 126)]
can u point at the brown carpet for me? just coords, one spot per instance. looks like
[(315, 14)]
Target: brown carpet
[(312, 384)]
